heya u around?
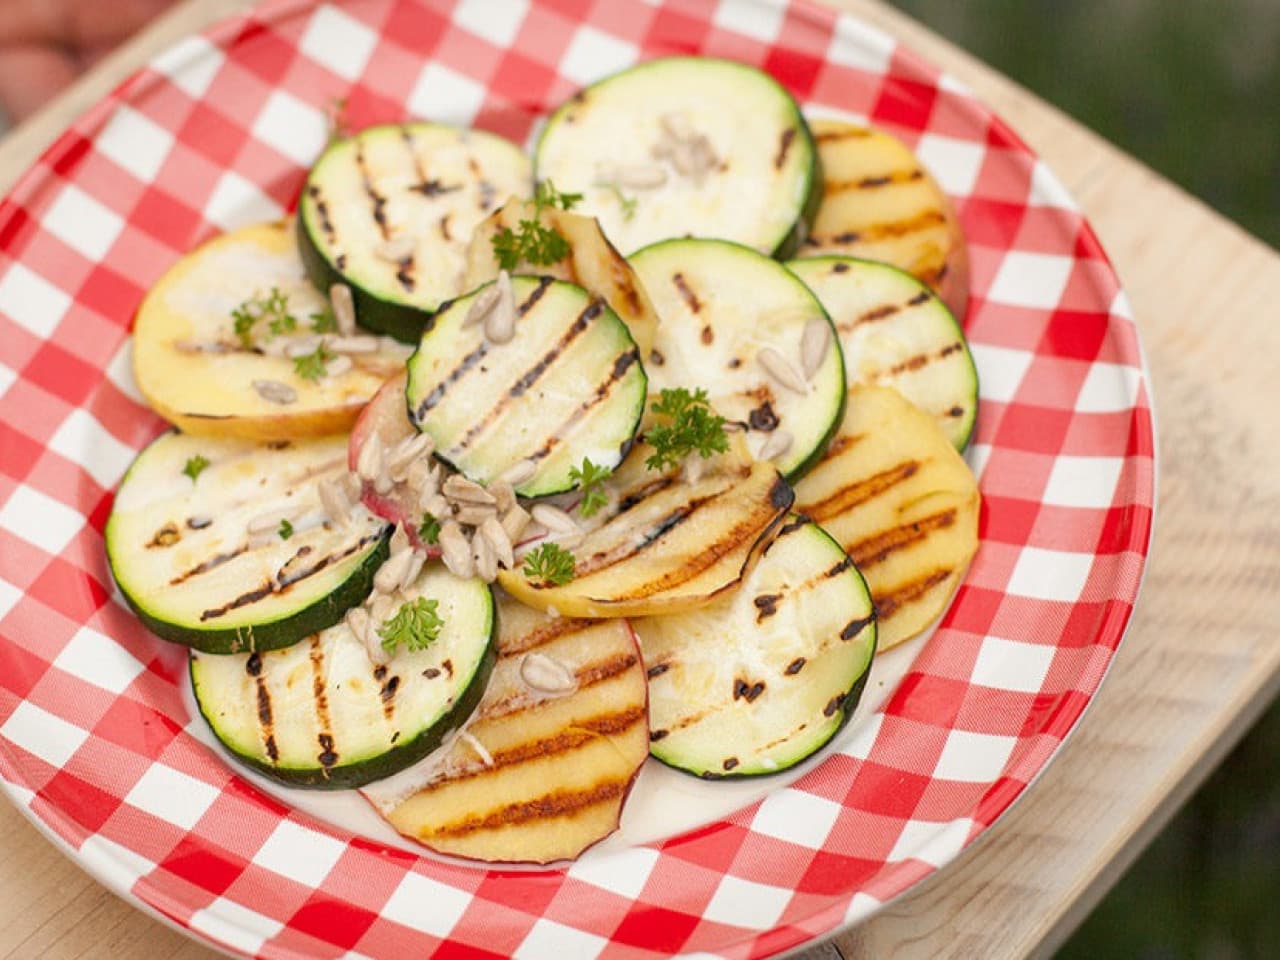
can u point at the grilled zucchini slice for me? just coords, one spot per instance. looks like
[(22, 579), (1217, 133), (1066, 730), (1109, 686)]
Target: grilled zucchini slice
[(730, 318), (897, 496), (564, 733), (757, 681), (880, 203), (202, 377), (322, 714), (721, 144), (569, 384), (895, 332), (181, 548), (664, 544), (425, 182)]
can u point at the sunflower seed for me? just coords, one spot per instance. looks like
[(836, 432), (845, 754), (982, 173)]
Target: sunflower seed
[(780, 369), (270, 521), (416, 564), (455, 551), (408, 452), (693, 469), (273, 391), (503, 496), (335, 502), (482, 305), (485, 558), (295, 347), (493, 531), (458, 487), (369, 459), (344, 308), (554, 519), (519, 472), (337, 366), (814, 344), (421, 478), (396, 249), (392, 572), (350, 485), (352, 345), (677, 126), (474, 514), (514, 522), (381, 609), (400, 539), (436, 505), (485, 756), (193, 346), (500, 323), (775, 445), (547, 675)]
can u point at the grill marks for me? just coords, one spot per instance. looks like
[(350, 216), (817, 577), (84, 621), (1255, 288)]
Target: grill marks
[(686, 293), (874, 181), (860, 491), (928, 219), (378, 202)]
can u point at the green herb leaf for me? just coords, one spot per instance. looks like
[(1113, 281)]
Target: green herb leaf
[(532, 243), (415, 626), (550, 562), (691, 426), (590, 478), (546, 195), (286, 529), (312, 366), (195, 466), (324, 321), (628, 204), (273, 308), (429, 530)]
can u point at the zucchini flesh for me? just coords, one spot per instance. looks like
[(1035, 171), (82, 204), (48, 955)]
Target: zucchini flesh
[(757, 681), (663, 543), (569, 385), (181, 551), (559, 766), (722, 305), (895, 332), (322, 714), (427, 181), (901, 500), (879, 203), (761, 190)]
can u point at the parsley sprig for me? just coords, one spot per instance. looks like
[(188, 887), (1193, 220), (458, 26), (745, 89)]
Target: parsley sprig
[(628, 204), (314, 365), (532, 242), (690, 426), (429, 529), (273, 309), (550, 562), (195, 466), (415, 626), (590, 478), (286, 529)]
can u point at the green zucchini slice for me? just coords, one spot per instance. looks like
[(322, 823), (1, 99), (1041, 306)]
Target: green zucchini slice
[(222, 544), (322, 714), (759, 680), (568, 384), (729, 318), (895, 332), (687, 146), (390, 212)]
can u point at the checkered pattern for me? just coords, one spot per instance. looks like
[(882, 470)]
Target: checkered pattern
[(94, 733)]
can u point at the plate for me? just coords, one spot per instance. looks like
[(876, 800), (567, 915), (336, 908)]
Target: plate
[(99, 747)]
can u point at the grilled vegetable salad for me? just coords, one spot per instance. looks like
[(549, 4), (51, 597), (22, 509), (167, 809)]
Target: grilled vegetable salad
[(596, 507)]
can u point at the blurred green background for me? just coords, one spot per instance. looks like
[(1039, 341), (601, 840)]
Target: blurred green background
[(1192, 88)]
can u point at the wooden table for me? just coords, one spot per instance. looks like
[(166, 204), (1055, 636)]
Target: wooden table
[(1200, 662)]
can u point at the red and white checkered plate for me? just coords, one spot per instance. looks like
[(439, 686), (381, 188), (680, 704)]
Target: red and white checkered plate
[(96, 742)]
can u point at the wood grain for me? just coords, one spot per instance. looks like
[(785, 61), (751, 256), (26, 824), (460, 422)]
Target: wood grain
[(1198, 665)]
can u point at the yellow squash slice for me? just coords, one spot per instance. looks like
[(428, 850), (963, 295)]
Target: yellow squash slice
[(879, 203), (664, 544), (897, 496), (198, 374), (549, 756)]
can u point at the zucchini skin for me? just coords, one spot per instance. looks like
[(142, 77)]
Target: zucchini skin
[(398, 320), (789, 245), (362, 772), (277, 634)]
